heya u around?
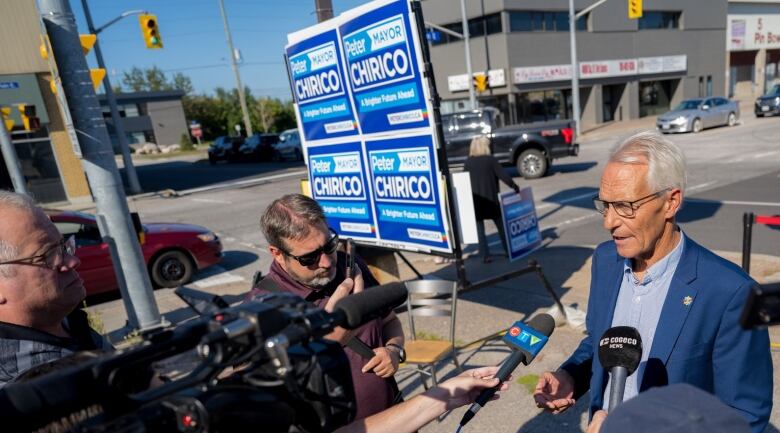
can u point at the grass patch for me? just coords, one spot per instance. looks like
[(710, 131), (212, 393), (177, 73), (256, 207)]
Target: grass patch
[(528, 382)]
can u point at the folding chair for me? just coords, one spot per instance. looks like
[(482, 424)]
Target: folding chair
[(431, 298)]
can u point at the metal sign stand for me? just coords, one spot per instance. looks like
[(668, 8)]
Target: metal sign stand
[(460, 266)]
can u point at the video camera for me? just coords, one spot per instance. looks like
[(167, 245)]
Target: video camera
[(262, 367), (762, 307)]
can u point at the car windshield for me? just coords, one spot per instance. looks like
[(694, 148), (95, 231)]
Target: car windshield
[(690, 104), (775, 90)]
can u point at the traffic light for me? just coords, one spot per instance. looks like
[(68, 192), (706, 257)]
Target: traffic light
[(481, 82), (5, 114), (29, 119), (634, 9), (150, 31)]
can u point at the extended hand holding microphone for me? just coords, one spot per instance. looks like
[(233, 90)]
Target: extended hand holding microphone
[(525, 340), (620, 352)]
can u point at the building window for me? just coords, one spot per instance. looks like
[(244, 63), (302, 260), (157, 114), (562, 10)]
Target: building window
[(544, 105), (654, 97), (486, 25), (543, 21), (659, 20), (131, 110)]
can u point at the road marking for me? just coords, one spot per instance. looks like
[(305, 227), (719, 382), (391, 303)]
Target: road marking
[(217, 275), (210, 200), (702, 186), (765, 154)]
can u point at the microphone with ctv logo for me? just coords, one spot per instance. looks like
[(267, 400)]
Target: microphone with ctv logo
[(525, 340), (620, 351)]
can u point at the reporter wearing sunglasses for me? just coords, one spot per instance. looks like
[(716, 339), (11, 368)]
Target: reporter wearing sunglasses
[(306, 263)]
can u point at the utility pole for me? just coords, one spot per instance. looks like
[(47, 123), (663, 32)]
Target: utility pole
[(575, 70), (324, 10), (132, 177), (241, 96), (12, 159), (98, 161), (466, 41)]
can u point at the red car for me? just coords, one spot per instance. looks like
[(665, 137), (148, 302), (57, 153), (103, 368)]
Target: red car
[(173, 252)]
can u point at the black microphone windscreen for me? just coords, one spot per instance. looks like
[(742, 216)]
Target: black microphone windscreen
[(371, 303), (544, 323), (621, 346)]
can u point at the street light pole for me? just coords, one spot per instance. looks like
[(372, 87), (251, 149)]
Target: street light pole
[(241, 96), (12, 160), (472, 96), (324, 10), (132, 177)]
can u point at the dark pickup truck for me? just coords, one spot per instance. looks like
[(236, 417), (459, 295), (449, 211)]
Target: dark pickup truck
[(531, 147)]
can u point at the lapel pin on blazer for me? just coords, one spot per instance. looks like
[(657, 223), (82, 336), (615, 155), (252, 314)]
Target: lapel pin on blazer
[(687, 301)]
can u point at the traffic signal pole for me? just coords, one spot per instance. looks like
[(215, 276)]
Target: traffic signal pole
[(466, 41), (12, 160), (98, 161), (132, 177)]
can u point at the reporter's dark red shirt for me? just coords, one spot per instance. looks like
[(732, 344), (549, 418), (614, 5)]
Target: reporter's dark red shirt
[(372, 393)]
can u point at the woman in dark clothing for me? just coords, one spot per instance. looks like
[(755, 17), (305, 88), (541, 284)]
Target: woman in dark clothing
[(485, 172)]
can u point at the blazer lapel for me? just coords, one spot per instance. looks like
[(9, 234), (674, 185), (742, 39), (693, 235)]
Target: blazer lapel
[(677, 303)]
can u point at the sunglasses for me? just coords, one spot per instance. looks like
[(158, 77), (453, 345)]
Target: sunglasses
[(313, 257)]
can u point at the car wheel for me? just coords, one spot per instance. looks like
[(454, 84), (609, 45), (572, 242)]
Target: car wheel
[(276, 156), (212, 160), (298, 155), (759, 114), (697, 127), (532, 164), (732, 119), (172, 269)]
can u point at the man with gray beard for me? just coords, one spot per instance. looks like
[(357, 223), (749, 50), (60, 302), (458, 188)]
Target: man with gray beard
[(306, 263)]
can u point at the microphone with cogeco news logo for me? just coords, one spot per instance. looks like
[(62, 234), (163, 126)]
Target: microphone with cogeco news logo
[(620, 351)]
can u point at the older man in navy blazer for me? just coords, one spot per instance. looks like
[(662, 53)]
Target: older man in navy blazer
[(684, 300)]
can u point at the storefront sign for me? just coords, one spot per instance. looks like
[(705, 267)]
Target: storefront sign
[(8, 85), (753, 31), (521, 226), (608, 68), (459, 83), (661, 64), (537, 74)]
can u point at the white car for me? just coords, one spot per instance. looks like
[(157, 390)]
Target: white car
[(289, 146)]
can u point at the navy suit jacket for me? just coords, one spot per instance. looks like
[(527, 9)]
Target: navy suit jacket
[(701, 343)]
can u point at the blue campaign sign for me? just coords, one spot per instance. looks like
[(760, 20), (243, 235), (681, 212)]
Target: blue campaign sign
[(338, 182), (383, 69), (405, 187), (520, 223), (316, 70)]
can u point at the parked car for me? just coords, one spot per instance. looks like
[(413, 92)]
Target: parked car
[(693, 115), (172, 252), (531, 147), (224, 148), (258, 147), (288, 147), (769, 103)]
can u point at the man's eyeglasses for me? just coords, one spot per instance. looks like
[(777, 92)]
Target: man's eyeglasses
[(313, 257), (626, 209), (52, 258)]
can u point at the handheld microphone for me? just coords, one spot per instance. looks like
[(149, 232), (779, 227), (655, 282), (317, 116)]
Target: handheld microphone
[(355, 310), (620, 351), (525, 340)]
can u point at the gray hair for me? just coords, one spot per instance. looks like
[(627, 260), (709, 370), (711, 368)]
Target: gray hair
[(9, 251), (290, 217), (480, 145), (665, 160)]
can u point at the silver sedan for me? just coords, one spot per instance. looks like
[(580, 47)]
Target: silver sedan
[(693, 115)]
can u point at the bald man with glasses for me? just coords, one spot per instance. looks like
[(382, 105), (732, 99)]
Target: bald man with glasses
[(40, 291), (684, 300), (307, 263)]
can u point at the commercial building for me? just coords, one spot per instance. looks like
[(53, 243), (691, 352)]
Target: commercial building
[(629, 68), (147, 117), (51, 168), (753, 47)]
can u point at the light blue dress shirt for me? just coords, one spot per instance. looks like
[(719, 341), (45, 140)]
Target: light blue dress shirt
[(639, 305)]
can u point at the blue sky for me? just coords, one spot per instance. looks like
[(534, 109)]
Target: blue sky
[(194, 39)]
